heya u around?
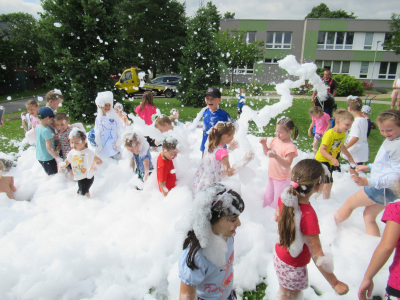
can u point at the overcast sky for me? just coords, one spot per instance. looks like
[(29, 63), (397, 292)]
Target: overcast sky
[(255, 9)]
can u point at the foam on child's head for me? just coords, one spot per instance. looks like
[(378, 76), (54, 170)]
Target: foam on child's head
[(76, 132), (170, 143), (118, 106), (104, 97)]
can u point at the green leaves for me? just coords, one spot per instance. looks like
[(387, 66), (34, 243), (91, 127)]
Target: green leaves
[(392, 40)]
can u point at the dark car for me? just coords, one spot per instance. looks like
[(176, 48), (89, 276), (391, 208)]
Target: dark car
[(167, 79)]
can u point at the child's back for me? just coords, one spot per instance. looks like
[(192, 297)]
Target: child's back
[(359, 130), (147, 108)]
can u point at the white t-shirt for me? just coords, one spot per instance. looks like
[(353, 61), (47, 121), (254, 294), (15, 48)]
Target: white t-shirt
[(359, 151), (80, 162)]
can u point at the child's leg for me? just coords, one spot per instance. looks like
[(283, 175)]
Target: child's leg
[(370, 214), (84, 186), (269, 193), (359, 199), (285, 294), (315, 146), (326, 191), (279, 186)]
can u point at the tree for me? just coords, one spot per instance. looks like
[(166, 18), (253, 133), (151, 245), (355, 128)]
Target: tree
[(211, 11), (199, 64), (392, 40), (322, 11), (80, 48), (229, 15), (235, 52)]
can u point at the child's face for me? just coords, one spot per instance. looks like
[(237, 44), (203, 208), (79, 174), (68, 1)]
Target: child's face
[(77, 144), (134, 149), (282, 133), (389, 130), (344, 125), (116, 109), (55, 104), (212, 103), (61, 125), (106, 108), (229, 138), (226, 226), (176, 115), (170, 154), (32, 109), (47, 121)]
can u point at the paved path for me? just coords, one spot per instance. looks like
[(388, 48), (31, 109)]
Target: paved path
[(19, 103)]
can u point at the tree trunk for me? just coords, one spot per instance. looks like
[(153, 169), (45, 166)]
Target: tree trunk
[(232, 79)]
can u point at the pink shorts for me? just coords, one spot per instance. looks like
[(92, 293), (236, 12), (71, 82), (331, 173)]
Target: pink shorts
[(289, 277), (396, 93)]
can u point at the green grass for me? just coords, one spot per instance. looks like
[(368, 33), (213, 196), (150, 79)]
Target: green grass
[(24, 94)]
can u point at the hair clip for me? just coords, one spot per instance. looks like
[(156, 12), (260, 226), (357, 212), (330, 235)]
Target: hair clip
[(294, 184)]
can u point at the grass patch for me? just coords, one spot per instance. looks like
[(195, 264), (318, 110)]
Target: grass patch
[(24, 94)]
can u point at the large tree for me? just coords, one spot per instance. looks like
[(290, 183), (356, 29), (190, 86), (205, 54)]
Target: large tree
[(322, 11), (81, 45), (235, 52), (392, 40), (199, 65)]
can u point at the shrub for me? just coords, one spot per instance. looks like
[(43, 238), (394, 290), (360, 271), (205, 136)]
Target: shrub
[(367, 85), (305, 89), (348, 85), (254, 88), (381, 90)]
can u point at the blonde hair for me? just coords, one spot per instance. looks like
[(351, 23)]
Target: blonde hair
[(161, 120), (147, 98), (355, 103), (289, 125), (31, 103), (316, 111), (215, 135), (51, 95), (243, 90), (390, 114), (307, 173), (341, 114)]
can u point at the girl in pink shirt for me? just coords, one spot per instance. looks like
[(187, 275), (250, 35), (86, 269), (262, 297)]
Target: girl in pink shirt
[(281, 154), (147, 108), (322, 122)]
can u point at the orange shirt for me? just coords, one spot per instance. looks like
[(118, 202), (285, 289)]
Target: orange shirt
[(275, 170)]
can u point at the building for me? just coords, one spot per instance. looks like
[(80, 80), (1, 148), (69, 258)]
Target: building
[(345, 46)]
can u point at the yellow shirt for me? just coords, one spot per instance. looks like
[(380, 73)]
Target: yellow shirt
[(334, 142)]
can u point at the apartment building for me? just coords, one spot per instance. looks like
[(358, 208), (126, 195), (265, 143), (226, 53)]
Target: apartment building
[(345, 46)]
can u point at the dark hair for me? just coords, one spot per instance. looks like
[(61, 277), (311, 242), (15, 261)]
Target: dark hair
[(170, 144), (82, 136), (147, 98), (307, 173), (217, 212), (289, 125)]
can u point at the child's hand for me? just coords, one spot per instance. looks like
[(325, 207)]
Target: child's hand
[(93, 167), (335, 162), (272, 154), (360, 181), (309, 132), (263, 141), (115, 147), (233, 145), (362, 168), (341, 288), (366, 287), (248, 157), (61, 166)]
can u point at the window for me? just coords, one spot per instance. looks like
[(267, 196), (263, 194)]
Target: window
[(127, 76), (387, 70), (249, 69), (249, 37), (336, 67), (369, 36), (330, 40), (272, 60), (388, 37), (364, 69), (279, 40)]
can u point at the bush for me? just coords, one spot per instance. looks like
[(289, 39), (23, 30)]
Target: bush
[(348, 85), (254, 88), (305, 89), (381, 90), (367, 85)]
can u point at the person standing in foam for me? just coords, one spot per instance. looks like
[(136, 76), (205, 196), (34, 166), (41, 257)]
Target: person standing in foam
[(84, 161), (282, 151), (108, 128), (299, 234), (385, 171), (215, 163), (213, 114), (206, 263)]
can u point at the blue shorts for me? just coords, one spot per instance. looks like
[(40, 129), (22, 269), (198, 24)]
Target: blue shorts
[(381, 196), (317, 136)]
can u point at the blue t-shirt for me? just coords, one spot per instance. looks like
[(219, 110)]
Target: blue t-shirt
[(369, 127), (210, 120), (241, 101), (211, 282), (42, 135), (139, 161)]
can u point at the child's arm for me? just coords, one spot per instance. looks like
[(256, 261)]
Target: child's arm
[(347, 153), (314, 244), (23, 122), (50, 149), (13, 188), (62, 166), (284, 162), (233, 145), (133, 163), (58, 147), (328, 122), (146, 165), (163, 187), (96, 162), (263, 142), (230, 171), (324, 152), (352, 142), (187, 292), (381, 255), (276, 214), (311, 127)]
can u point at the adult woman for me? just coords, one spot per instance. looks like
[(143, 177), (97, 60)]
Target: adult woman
[(396, 93)]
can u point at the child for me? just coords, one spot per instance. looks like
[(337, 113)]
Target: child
[(45, 153), (64, 129), (84, 161), (165, 123), (6, 183), (357, 144), (145, 110), (54, 98), (299, 234), (282, 151), (390, 241), (174, 113), (206, 263), (119, 109), (213, 114), (141, 160), (215, 163), (108, 127), (165, 176), (322, 122), (366, 111), (332, 143), (385, 171), (30, 118), (241, 101)]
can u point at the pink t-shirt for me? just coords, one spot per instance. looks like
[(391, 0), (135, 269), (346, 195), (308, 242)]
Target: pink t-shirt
[(320, 123), (221, 153), (392, 213), (35, 121), (146, 113), (275, 170)]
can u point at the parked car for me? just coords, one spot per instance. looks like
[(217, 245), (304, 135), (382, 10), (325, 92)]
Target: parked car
[(167, 79)]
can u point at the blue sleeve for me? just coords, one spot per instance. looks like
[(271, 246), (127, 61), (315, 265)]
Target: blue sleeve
[(189, 276), (46, 134)]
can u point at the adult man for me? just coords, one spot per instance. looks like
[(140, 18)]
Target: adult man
[(329, 104)]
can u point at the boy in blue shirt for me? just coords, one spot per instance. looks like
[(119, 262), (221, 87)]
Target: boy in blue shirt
[(213, 114), (45, 153)]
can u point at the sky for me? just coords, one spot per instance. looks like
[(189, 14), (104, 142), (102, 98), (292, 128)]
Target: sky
[(254, 9)]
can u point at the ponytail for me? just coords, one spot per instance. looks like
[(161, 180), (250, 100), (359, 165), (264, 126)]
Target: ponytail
[(289, 125)]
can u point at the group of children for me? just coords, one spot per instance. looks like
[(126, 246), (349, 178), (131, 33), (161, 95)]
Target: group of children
[(287, 190)]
